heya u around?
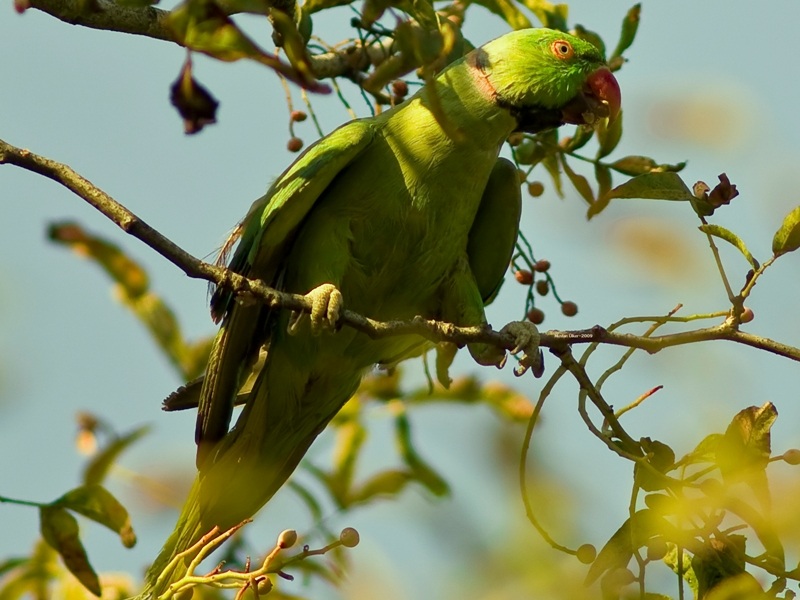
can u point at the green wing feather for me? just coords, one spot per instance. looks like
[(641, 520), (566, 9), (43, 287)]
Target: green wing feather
[(268, 230)]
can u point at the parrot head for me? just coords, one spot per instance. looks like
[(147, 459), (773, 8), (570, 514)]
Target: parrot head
[(546, 78)]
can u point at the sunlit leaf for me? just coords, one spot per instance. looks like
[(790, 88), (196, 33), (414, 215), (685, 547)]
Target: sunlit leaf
[(787, 238), (634, 165), (389, 482), (203, 26), (124, 271), (579, 31), (630, 25), (579, 181), (654, 186), (97, 469), (681, 564), (744, 450), (550, 15), (583, 133), (445, 355), (719, 560), (419, 468), (60, 530), (602, 175), (632, 535), (350, 436), (762, 525), (292, 43), (508, 11), (731, 238), (609, 135), (98, 504)]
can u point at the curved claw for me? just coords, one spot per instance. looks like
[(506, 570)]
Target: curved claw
[(526, 341), (326, 308)]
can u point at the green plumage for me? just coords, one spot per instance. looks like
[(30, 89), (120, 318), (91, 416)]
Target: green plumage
[(404, 220)]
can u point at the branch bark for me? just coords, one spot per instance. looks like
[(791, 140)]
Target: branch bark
[(152, 22), (434, 331)]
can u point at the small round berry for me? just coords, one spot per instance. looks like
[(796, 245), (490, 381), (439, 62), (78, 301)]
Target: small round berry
[(523, 276), (747, 315), (536, 316), (586, 553), (535, 189), (523, 176), (399, 88), (287, 539), (349, 537), (792, 457), (264, 585), (298, 116), (542, 287), (294, 144), (541, 266), (569, 308)]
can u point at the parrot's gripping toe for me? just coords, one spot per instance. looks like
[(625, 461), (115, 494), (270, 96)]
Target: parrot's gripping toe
[(526, 341), (326, 308)]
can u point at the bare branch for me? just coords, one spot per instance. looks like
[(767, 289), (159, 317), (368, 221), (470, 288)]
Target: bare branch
[(109, 16), (434, 331)]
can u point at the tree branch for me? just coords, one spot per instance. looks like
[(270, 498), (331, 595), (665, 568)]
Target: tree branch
[(109, 16), (152, 22), (434, 331)]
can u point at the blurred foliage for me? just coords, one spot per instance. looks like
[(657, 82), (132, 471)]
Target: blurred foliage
[(706, 517)]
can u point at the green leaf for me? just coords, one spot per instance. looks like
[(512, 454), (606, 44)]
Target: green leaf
[(386, 483), (632, 535), (60, 530), (350, 436), (630, 25), (579, 181), (97, 469), (96, 503), (507, 11), (202, 26), (445, 355), (654, 186), (550, 162), (731, 238), (609, 135), (419, 469), (10, 564), (762, 525), (634, 165), (580, 32), (662, 458), (602, 175), (122, 269), (550, 15), (787, 238), (744, 450), (583, 133), (681, 565)]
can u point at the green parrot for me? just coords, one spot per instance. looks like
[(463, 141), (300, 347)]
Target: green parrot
[(407, 213)]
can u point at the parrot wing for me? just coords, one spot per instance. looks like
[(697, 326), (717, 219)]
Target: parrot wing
[(268, 231)]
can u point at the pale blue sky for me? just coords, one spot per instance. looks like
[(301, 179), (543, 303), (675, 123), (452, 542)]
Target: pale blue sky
[(713, 82)]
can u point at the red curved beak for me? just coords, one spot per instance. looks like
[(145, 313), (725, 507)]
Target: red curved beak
[(604, 87), (599, 98)]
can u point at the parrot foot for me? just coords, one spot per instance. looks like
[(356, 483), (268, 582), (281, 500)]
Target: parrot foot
[(326, 308), (526, 340)]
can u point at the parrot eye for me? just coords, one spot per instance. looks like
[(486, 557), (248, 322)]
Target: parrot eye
[(562, 49)]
